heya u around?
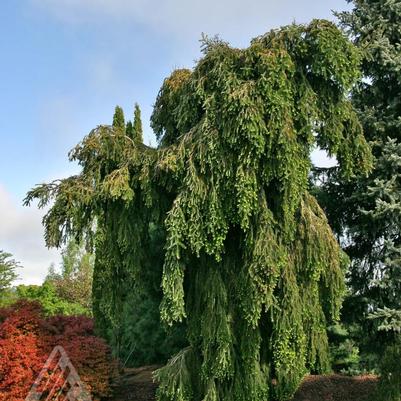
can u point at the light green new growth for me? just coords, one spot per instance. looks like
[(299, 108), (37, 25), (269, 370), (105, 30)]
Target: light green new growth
[(250, 263)]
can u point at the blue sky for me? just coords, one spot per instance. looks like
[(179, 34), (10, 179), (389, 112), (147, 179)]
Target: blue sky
[(67, 63)]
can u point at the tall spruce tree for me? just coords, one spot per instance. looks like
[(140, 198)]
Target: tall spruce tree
[(366, 212), (137, 125), (129, 129), (118, 118), (248, 260), (134, 129)]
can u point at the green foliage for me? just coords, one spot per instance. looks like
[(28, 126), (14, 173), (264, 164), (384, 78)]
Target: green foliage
[(46, 295), (167, 120), (245, 256), (8, 273), (390, 319), (74, 283), (8, 297), (365, 211), (137, 125), (176, 379), (143, 340), (136, 332), (134, 129), (129, 129), (64, 293), (343, 350), (389, 388), (118, 119)]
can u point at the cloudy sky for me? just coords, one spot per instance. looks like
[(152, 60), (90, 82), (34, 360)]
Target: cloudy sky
[(67, 63)]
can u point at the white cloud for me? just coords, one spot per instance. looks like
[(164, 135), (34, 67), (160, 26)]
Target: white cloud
[(231, 18), (21, 233)]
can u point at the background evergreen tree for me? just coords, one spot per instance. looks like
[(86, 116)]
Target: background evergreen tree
[(137, 125), (144, 339), (73, 281), (245, 255), (118, 118), (365, 212), (129, 129), (8, 275), (344, 350)]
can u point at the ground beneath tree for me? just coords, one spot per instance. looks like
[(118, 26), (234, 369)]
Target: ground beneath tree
[(337, 388), (137, 385)]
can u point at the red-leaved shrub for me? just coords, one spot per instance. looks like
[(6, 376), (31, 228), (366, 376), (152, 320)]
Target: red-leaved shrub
[(27, 338)]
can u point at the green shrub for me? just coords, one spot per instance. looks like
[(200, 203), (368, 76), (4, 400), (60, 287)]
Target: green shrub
[(51, 303), (343, 350), (389, 388)]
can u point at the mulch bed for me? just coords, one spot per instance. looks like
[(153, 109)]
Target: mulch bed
[(137, 385), (337, 388)]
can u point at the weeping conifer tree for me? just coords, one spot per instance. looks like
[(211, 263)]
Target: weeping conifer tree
[(249, 262)]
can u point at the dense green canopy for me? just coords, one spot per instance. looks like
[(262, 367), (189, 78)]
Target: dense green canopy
[(249, 260), (365, 212)]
